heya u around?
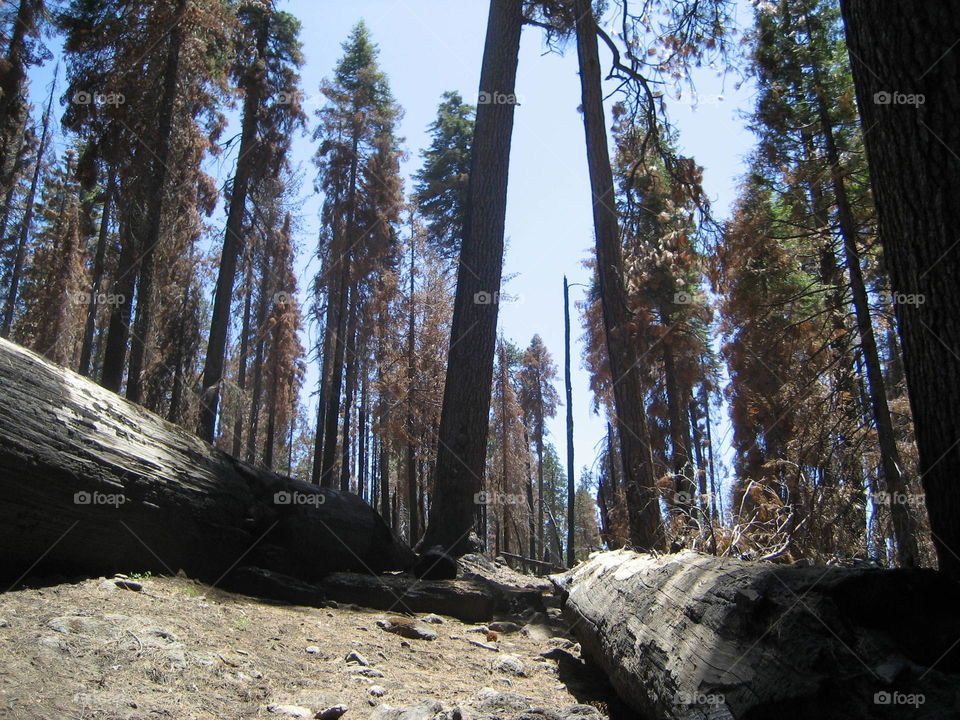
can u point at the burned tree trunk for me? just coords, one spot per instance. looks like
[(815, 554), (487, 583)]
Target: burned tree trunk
[(695, 636), (91, 483)]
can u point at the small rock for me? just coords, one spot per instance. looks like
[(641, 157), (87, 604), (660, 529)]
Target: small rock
[(378, 690), (432, 619), (294, 711), (333, 605), (509, 664), (491, 701), (579, 712), (366, 672), (132, 585), (313, 649), (176, 658), (560, 642), (4, 623), (331, 713), (479, 629), (558, 654), (504, 627), (424, 710), (404, 627), (354, 657)]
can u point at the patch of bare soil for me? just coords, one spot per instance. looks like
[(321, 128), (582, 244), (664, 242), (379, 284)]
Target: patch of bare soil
[(177, 649)]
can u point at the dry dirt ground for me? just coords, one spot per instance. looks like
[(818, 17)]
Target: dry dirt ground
[(92, 650)]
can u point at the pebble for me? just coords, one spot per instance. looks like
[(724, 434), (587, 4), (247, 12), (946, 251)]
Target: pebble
[(509, 664), (407, 628), (378, 690), (432, 619), (331, 713), (294, 711), (504, 627), (354, 657), (313, 649)]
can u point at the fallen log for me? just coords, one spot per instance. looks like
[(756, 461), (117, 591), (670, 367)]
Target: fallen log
[(92, 484), (461, 599), (688, 636)]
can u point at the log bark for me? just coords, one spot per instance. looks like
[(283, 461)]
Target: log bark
[(695, 636), (92, 483)]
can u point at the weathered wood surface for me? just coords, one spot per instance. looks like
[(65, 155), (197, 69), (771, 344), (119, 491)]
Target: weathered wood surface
[(91, 483), (689, 636)]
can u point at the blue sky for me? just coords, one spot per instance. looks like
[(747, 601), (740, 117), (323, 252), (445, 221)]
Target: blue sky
[(429, 46)]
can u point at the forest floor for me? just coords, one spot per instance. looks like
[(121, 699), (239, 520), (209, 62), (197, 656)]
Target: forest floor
[(173, 648)]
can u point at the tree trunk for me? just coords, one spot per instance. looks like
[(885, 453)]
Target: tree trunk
[(335, 385), (12, 76), (904, 529), (462, 443), (257, 390), (86, 350), (242, 359), (350, 354), (157, 186), (568, 387), (412, 491), (20, 254), (907, 49), (693, 636), (646, 528), (232, 242), (91, 483), (122, 289)]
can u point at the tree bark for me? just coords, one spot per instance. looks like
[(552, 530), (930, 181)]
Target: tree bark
[(464, 417), (646, 527), (693, 636), (91, 483), (913, 152)]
